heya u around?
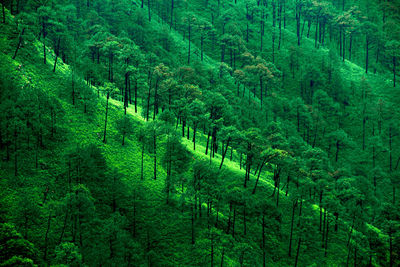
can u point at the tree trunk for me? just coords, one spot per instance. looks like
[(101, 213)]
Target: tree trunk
[(19, 42), (247, 170), (224, 152), (350, 45), (287, 185), (394, 71), (3, 11), (244, 219), (390, 248), (291, 227), (136, 92), (344, 45), (73, 85), (320, 210), (64, 225), (126, 95), (155, 153), (46, 239), (36, 153), (172, 13), (355, 256), (390, 149), (393, 193), (247, 32), (337, 150), (323, 229), (201, 47), (350, 234), (194, 136), (105, 123), (316, 32), (277, 195), (258, 176), (212, 249), (261, 92), (298, 252), (222, 257), (326, 237), (183, 126), (229, 218), (57, 50), (261, 35), (148, 9), (189, 32), (134, 216), (155, 106), (192, 224), (302, 28), (15, 151), (298, 20), (336, 221), (148, 104), (273, 45), (142, 166), (263, 240), (348, 256), (340, 41), (234, 220), (44, 42), (366, 54), (363, 131), (208, 141)]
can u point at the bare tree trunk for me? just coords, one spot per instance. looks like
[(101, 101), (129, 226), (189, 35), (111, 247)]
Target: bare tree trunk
[(155, 153), (3, 11), (46, 239), (291, 227), (224, 152), (263, 240), (105, 123), (298, 252), (57, 53), (394, 71), (19, 42), (172, 13), (189, 29), (148, 9)]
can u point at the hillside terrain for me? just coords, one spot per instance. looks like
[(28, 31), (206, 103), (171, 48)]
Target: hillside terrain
[(199, 133)]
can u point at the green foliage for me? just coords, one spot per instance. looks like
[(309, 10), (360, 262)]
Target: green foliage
[(15, 250), (297, 97), (67, 254)]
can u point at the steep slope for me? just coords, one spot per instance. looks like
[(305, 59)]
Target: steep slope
[(192, 213)]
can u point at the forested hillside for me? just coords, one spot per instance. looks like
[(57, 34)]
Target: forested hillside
[(199, 133)]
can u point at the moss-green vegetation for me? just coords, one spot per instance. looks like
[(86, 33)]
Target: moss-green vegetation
[(199, 133)]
